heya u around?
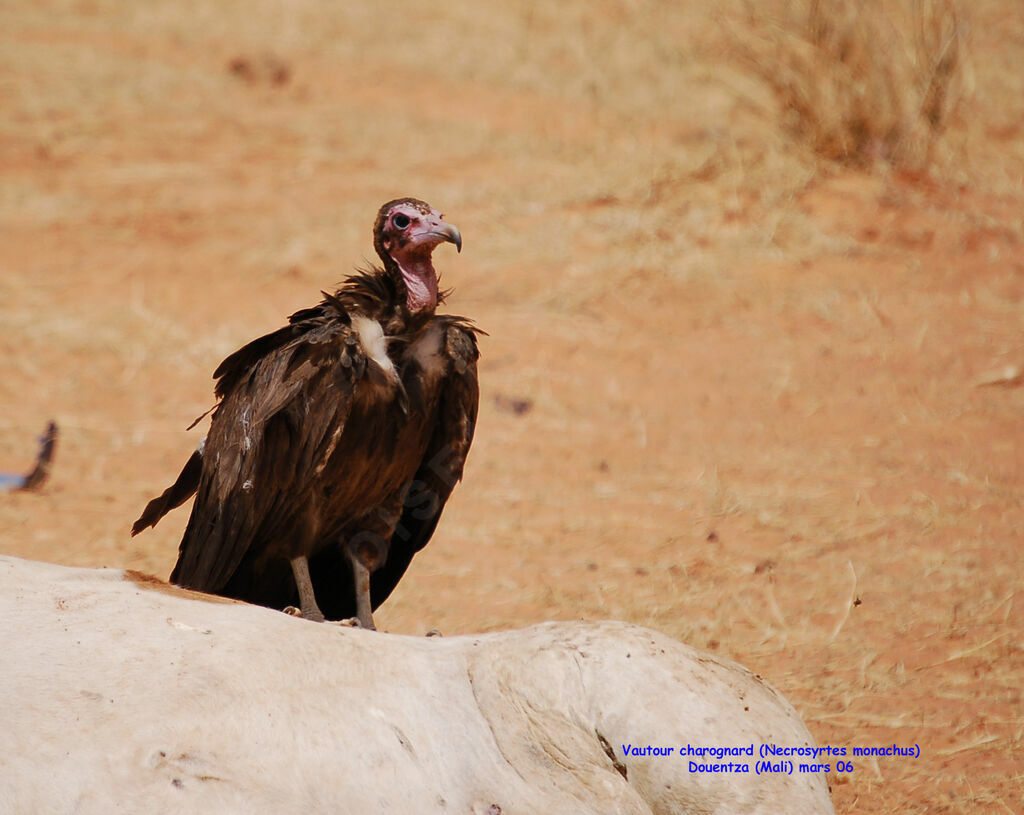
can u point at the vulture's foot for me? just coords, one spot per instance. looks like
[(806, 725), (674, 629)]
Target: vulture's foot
[(313, 615), (355, 623), (348, 622), (433, 632)]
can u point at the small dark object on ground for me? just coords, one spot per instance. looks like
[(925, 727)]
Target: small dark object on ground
[(513, 404), (261, 69), (37, 476)]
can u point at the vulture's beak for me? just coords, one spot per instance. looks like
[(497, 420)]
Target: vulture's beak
[(448, 232)]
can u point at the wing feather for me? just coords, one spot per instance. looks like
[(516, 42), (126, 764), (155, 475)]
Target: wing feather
[(277, 416), (174, 496)]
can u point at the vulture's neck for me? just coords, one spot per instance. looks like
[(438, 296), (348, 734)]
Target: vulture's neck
[(414, 279), (419, 283)]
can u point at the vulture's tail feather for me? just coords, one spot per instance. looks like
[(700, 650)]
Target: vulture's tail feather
[(174, 496)]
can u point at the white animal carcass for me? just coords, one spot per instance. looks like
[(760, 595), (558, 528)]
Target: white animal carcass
[(119, 693)]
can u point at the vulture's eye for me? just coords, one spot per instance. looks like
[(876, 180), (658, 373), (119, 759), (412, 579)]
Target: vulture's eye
[(400, 221)]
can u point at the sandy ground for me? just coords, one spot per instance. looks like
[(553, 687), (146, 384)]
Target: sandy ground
[(763, 404)]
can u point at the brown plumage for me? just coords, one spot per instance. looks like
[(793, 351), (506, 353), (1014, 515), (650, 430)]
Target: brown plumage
[(336, 440)]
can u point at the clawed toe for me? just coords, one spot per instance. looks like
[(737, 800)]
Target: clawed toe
[(314, 616)]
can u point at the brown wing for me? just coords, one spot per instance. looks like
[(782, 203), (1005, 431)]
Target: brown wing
[(302, 323), (285, 398), (440, 470), (269, 436), (233, 370)]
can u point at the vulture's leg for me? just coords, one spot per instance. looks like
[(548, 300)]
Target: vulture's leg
[(310, 610), (364, 611), (367, 550)]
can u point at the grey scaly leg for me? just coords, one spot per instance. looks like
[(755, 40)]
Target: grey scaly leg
[(310, 610), (361, 574)]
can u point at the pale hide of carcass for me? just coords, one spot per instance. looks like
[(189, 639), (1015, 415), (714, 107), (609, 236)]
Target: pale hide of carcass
[(119, 693)]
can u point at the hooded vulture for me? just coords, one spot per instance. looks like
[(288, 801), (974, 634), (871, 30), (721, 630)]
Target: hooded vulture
[(336, 439)]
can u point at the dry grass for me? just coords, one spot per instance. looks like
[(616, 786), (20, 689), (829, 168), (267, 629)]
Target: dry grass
[(863, 83)]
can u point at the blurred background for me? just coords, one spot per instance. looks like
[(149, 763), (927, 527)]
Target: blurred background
[(752, 275)]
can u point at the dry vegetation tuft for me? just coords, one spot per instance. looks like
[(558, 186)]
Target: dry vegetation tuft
[(862, 83)]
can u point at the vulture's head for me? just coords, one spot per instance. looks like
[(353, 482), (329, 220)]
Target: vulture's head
[(405, 235)]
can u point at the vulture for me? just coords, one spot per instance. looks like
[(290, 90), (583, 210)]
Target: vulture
[(336, 440)]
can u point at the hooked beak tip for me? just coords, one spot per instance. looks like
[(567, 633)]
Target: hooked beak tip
[(455, 237), (442, 231)]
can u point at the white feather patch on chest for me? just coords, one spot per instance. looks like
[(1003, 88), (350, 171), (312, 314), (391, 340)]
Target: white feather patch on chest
[(426, 350), (371, 338)]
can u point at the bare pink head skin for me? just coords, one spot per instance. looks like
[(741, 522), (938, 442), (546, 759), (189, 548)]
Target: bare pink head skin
[(405, 235)]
